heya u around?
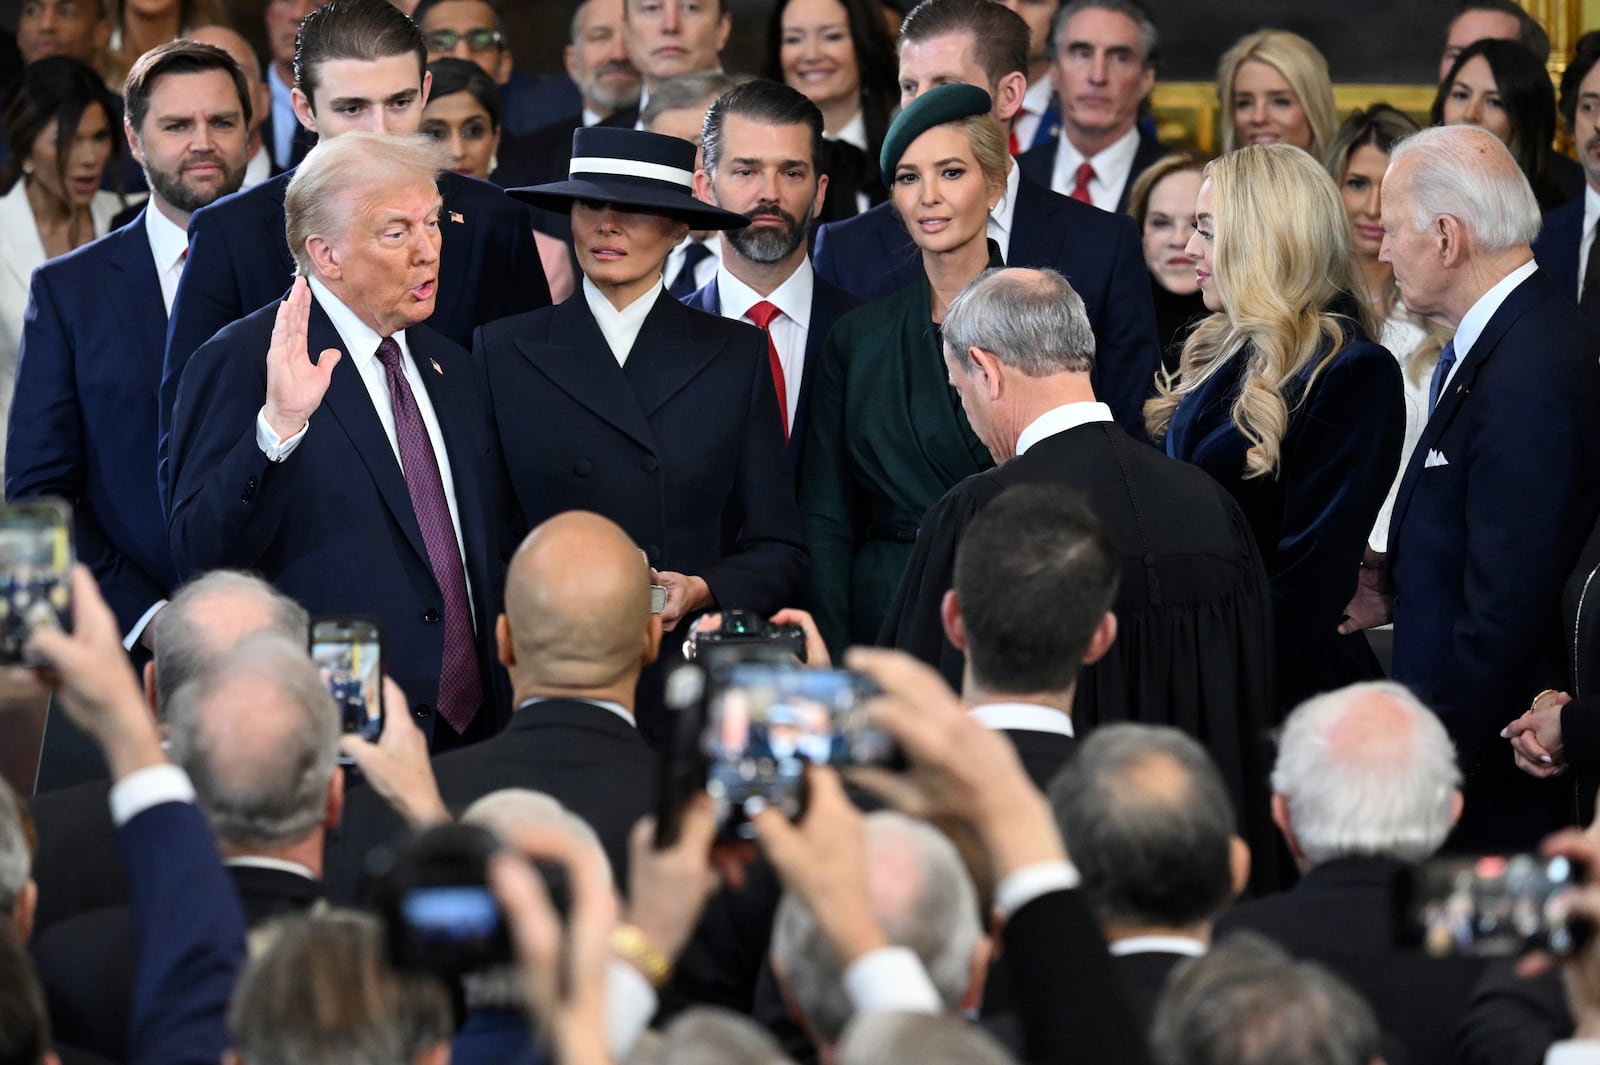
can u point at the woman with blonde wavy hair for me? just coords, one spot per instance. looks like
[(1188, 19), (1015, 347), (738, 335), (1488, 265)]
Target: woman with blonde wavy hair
[(1274, 89), (1282, 396)]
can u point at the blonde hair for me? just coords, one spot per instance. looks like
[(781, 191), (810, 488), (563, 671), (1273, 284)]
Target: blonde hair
[(989, 147), (1282, 254), (1301, 65)]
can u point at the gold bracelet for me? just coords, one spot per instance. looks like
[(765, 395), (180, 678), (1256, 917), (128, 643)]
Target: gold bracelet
[(634, 947), (1541, 695)]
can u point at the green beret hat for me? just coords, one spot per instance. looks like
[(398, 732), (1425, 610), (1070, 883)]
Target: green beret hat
[(946, 103)]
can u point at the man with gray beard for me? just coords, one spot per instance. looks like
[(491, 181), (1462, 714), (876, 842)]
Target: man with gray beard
[(762, 149)]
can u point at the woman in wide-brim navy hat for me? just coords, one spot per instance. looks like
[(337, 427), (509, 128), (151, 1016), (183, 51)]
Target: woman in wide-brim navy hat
[(625, 402)]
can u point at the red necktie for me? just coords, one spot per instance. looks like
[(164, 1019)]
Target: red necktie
[(1016, 149), (1080, 191), (762, 315), (460, 687)]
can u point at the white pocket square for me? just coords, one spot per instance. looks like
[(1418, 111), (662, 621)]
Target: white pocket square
[(1435, 458)]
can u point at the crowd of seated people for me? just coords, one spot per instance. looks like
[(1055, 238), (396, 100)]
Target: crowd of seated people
[(1176, 564)]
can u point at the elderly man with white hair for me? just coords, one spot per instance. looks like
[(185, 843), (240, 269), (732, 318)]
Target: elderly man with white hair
[(1504, 485), (1365, 785)]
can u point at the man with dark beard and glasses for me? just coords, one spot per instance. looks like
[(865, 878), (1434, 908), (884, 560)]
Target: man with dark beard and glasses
[(761, 146), (84, 412)]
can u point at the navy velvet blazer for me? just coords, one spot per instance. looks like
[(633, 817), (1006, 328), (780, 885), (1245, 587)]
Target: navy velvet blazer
[(239, 261), (872, 255), (84, 412), (333, 525), (1558, 244), (1477, 593), (1039, 162), (1312, 520), (827, 304), (682, 447)]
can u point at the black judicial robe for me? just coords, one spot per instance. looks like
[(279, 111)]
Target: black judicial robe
[(887, 438), (1194, 612)]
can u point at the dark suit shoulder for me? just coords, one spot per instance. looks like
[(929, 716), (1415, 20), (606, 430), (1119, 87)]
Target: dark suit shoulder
[(471, 194), (258, 200), (94, 255)]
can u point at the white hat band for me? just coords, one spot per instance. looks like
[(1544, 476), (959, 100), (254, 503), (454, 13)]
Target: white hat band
[(631, 168)]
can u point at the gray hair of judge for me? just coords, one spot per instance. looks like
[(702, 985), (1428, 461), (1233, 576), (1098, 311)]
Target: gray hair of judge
[(896, 1038), (1029, 319), (265, 784), (506, 811), (184, 646), (320, 197), (1465, 172), (923, 896), (1247, 1002), (1367, 769), (16, 857)]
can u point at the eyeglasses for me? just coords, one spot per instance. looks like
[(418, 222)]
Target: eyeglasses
[(477, 40)]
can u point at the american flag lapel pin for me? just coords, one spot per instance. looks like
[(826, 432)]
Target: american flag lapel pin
[(436, 368), (455, 216)]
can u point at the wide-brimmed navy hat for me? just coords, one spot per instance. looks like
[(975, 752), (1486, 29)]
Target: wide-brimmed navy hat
[(631, 168)]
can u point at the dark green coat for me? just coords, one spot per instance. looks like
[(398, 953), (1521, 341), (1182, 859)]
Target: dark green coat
[(887, 439)]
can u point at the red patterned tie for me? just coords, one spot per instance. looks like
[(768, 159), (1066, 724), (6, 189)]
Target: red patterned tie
[(762, 315), (1080, 191), (460, 687), (1012, 144)]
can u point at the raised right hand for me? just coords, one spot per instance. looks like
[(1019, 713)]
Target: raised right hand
[(295, 384)]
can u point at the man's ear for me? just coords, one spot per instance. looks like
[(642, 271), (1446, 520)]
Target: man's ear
[(505, 650), (955, 629), (427, 87), (150, 689), (702, 187), (1280, 817), (1105, 634), (1239, 864), (325, 258), (1457, 801), (1451, 235), (987, 369), (822, 192), (569, 61), (508, 62), (303, 109), (23, 910), (333, 810), (724, 28), (133, 142), (652, 639), (1008, 97)]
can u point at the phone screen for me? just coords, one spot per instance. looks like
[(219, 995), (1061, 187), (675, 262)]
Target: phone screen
[(1490, 905), (348, 653), (766, 723), (36, 563)]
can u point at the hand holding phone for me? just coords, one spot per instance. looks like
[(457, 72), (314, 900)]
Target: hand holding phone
[(35, 573), (348, 653)]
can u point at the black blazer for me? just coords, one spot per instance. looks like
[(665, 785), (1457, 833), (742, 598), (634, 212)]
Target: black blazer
[(682, 447), (239, 261), (582, 755), (1477, 612), (1039, 162), (333, 525), (872, 255), (827, 304), (1043, 754), (1145, 975), (77, 866), (1557, 247)]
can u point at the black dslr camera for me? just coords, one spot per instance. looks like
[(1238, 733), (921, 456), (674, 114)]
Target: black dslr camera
[(434, 898), (746, 636)]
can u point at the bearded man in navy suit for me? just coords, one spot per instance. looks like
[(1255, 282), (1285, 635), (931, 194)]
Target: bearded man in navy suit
[(365, 479)]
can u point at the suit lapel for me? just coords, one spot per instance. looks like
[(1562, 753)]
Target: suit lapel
[(134, 289), (350, 403), (668, 354), (586, 370)]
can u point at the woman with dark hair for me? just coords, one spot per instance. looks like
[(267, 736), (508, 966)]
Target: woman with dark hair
[(140, 25), (57, 120), (838, 55), (1501, 87)]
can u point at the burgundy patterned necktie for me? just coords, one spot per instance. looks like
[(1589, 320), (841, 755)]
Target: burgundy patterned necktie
[(460, 688)]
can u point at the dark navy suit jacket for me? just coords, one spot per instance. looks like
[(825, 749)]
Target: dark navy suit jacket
[(872, 255), (1558, 244), (84, 412), (239, 261), (827, 304), (1477, 588), (1039, 162), (333, 525)]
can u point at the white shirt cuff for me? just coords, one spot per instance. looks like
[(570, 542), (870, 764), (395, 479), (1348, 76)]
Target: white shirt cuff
[(147, 787), (1573, 1052), (138, 626), (271, 444), (630, 1003), (891, 979), (1032, 881)]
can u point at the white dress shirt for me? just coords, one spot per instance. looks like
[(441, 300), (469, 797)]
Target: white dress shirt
[(1059, 420), (1004, 212), (854, 133), (259, 168), (1035, 102), (284, 122), (1112, 169), (277, 865), (604, 704), (704, 270), (361, 348), (1121, 948), (1591, 217), (1477, 317), (1573, 1052), (1023, 717), (789, 330), (1400, 337), (620, 328), (169, 243)]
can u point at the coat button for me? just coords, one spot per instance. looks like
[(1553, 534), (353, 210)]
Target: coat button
[(249, 492), (431, 616), (422, 710), (649, 464), (653, 552), (582, 468)]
